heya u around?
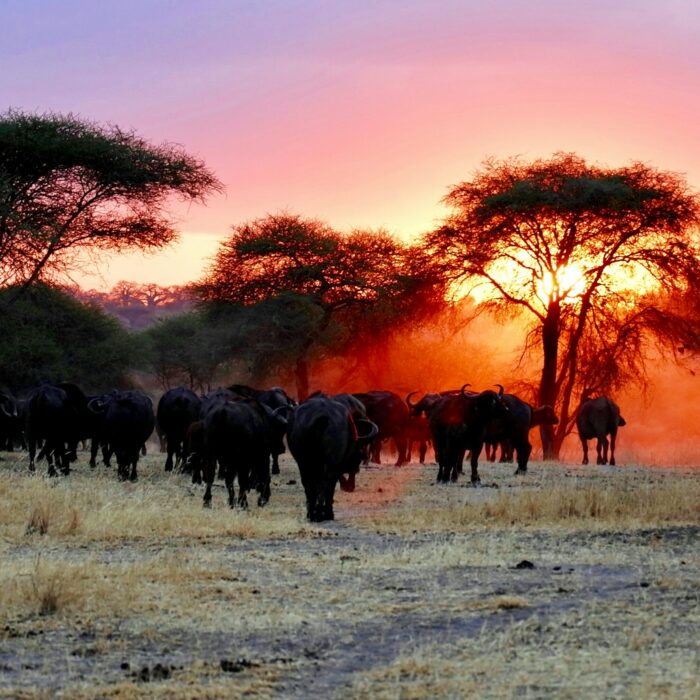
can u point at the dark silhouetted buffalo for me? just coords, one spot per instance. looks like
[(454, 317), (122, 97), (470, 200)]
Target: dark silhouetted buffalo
[(55, 415), (127, 422), (511, 430), (177, 409), (596, 419), (459, 423), (326, 443), (11, 423), (275, 398), (390, 414), (240, 435)]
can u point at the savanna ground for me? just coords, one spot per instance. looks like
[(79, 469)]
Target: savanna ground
[(569, 582)]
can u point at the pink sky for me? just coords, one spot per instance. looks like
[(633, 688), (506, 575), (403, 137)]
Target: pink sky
[(361, 114)]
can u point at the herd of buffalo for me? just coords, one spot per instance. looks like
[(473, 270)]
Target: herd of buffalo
[(241, 430)]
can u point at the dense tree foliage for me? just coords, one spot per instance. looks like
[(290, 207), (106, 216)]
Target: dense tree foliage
[(68, 186), (48, 335), (594, 257), (339, 277)]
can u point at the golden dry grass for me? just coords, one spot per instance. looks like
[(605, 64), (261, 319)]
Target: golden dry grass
[(628, 498), (143, 567)]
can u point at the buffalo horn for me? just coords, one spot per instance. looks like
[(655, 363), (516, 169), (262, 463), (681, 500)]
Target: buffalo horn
[(464, 386), (500, 390), (408, 400), (95, 409), (5, 411), (372, 427)]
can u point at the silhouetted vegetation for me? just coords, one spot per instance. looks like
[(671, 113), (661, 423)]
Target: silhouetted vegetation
[(50, 336), (69, 185), (592, 257), (325, 280)]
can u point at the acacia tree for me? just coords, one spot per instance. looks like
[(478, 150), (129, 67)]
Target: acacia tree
[(593, 257), (68, 185), (332, 275)]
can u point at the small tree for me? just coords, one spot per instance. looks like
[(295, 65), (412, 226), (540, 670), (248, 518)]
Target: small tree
[(187, 349), (68, 185), (335, 274), (591, 256)]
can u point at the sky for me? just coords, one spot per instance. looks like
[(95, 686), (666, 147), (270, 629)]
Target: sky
[(358, 113)]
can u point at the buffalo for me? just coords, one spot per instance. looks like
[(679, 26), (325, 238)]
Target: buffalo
[(418, 431), (11, 429), (177, 409), (194, 437), (127, 422), (241, 435), (419, 419), (55, 415), (389, 413), (596, 419), (326, 442), (511, 430), (459, 423), (275, 398)]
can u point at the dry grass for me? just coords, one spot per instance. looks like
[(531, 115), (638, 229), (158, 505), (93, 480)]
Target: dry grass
[(602, 650), (146, 573), (630, 498), (93, 506)]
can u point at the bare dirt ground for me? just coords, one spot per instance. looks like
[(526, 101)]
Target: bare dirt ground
[(569, 582)]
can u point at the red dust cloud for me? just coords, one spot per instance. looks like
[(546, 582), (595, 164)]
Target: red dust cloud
[(662, 421)]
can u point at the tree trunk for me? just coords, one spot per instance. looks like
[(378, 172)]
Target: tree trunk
[(548, 382), (301, 374)]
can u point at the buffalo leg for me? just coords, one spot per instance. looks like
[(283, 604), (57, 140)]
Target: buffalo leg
[(169, 458), (325, 510), (275, 464), (63, 458), (310, 478), (94, 446), (107, 455), (228, 478), (460, 461), (310, 493), (72, 453), (422, 449), (584, 444), (401, 447), (474, 461), (612, 449), (243, 486), (523, 454), (602, 450), (31, 445), (262, 477), (134, 475), (208, 469), (179, 451), (49, 453)]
